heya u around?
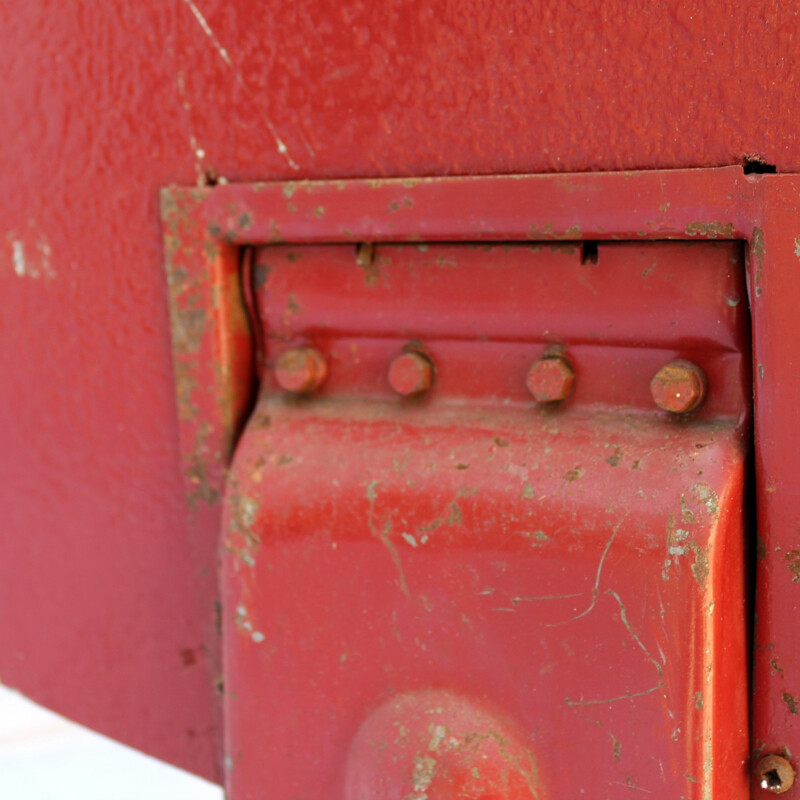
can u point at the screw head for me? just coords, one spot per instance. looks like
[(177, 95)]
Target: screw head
[(301, 370), (775, 774), (678, 387), (411, 374), (550, 379)]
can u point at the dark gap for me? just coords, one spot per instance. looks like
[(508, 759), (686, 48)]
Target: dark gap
[(758, 166), (588, 252), (247, 286), (772, 779)]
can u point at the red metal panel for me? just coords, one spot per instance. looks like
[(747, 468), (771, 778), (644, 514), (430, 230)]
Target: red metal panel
[(775, 289), (105, 103), (498, 556), (564, 580)]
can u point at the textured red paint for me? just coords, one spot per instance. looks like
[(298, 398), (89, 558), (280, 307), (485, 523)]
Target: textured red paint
[(103, 104)]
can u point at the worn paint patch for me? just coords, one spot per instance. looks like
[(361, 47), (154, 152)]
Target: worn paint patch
[(707, 497), (196, 471), (31, 256), (242, 540), (792, 559), (757, 258), (791, 702), (242, 621), (711, 230)]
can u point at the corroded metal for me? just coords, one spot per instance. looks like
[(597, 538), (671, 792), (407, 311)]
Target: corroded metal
[(775, 774)]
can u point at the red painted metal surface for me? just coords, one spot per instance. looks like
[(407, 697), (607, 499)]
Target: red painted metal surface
[(102, 105), (717, 204), (578, 574)]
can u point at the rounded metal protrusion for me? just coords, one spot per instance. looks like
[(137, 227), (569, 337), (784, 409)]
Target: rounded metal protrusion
[(775, 774), (411, 374), (550, 379), (301, 370), (678, 387)]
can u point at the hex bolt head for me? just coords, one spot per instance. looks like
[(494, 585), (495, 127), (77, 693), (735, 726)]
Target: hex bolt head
[(775, 774), (550, 379), (301, 370), (411, 374), (678, 387)]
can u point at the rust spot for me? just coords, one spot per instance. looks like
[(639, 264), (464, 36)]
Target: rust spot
[(711, 230), (791, 702), (188, 657), (793, 560), (185, 385), (616, 458), (455, 517), (775, 774), (573, 474), (700, 568), (197, 471), (757, 257)]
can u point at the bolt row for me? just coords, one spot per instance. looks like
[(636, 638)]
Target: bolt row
[(678, 387)]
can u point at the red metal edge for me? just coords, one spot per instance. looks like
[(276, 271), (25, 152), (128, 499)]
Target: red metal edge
[(213, 353), (213, 371)]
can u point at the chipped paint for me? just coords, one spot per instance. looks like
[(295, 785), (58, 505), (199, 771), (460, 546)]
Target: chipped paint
[(757, 257), (31, 256), (711, 230), (792, 559)]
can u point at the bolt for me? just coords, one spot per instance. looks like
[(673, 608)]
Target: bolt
[(775, 774), (550, 379), (679, 386), (411, 374), (301, 370)]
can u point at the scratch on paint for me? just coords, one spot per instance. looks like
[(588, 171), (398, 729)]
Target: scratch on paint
[(624, 617), (226, 59), (596, 588), (372, 494), (627, 696)]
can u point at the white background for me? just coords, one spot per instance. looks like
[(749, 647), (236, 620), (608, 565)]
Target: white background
[(45, 757)]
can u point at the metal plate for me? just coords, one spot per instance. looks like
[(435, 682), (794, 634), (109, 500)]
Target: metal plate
[(454, 596)]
